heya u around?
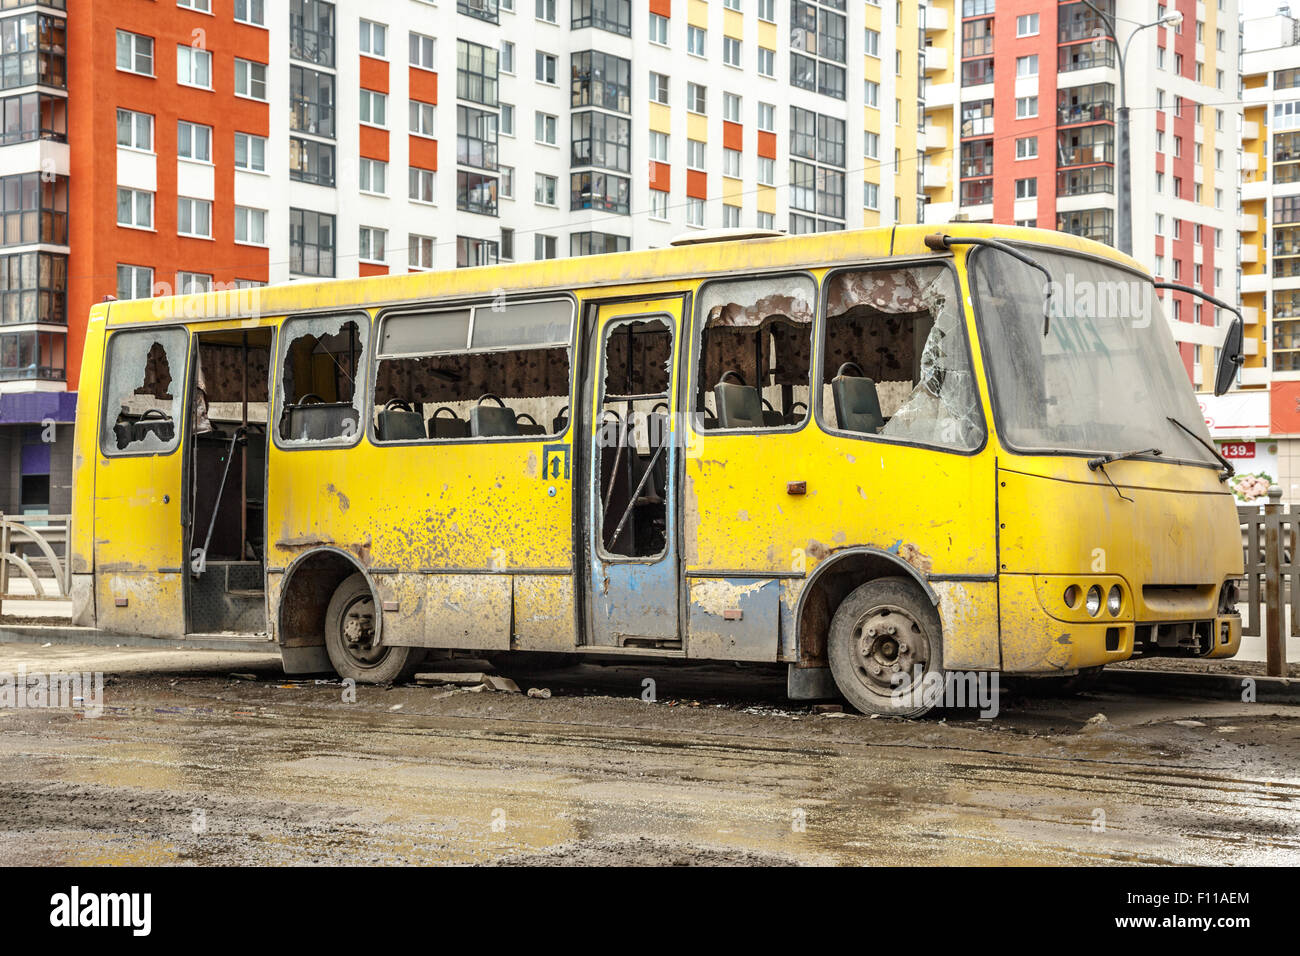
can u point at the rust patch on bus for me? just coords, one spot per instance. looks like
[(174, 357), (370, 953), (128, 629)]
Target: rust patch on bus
[(913, 556), (344, 503)]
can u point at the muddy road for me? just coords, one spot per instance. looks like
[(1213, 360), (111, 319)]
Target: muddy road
[(189, 765)]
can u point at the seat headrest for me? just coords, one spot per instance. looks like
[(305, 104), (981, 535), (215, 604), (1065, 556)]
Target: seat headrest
[(738, 406)]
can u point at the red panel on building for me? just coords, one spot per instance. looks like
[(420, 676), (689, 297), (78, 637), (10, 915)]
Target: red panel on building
[(767, 145), (733, 135), (374, 143), (423, 152), (1284, 408), (371, 269), (424, 86), (662, 7), (697, 184), (660, 176), (374, 74)]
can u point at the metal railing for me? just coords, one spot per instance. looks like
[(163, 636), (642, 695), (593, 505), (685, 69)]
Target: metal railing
[(37, 546), (1269, 536)]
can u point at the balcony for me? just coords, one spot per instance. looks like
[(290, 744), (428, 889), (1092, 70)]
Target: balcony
[(936, 59), (1249, 130), (940, 95), (1249, 162), (1249, 223), (936, 19), (1249, 254), (1254, 283), (1250, 315), (937, 137), (1257, 189), (935, 175)]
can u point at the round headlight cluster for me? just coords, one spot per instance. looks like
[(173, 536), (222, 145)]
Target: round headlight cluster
[(1093, 601)]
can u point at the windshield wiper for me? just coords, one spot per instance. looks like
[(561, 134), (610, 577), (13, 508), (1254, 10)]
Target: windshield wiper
[(1101, 461), (1228, 471)]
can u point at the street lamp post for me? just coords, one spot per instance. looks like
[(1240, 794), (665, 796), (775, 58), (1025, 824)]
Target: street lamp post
[(1125, 169)]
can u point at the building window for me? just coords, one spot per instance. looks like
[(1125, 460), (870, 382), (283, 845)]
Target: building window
[(422, 185), (659, 88), (545, 65), (134, 130), (659, 147), (250, 225), (507, 184), (767, 220), (422, 118), (33, 355), (544, 247), (33, 288), (766, 171), (1026, 107), (767, 62), (597, 243), (311, 162), (613, 16), (371, 243), (251, 11), (202, 6), (476, 192), (695, 212), (311, 101), (600, 79), (599, 139), (1027, 65), (374, 108), (134, 53), (731, 107), (507, 124), (478, 9), (250, 152), (658, 29), (421, 51), (696, 98), (545, 10), (476, 137), (250, 79), (193, 142), (419, 251), (731, 51), (311, 243), (372, 176), (1027, 25), (871, 145), (193, 217), (193, 67), (374, 39), (873, 42), (600, 191), (311, 31), (730, 216), (546, 128), (695, 39), (472, 252), (477, 75), (133, 282), (870, 195), (767, 10), (695, 154), (1026, 188), (659, 205), (766, 118), (506, 59), (731, 163), (134, 207), (544, 190), (1027, 147)]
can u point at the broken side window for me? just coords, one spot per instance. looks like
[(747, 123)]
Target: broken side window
[(145, 391), (755, 353), (635, 436), (498, 370), (317, 393), (896, 362)]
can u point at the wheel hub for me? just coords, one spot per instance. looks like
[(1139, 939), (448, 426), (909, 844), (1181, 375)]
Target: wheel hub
[(358, 631), (892, 649)]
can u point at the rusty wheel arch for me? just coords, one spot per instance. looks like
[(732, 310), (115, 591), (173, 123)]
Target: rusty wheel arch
[(831, 581), (311, 580)]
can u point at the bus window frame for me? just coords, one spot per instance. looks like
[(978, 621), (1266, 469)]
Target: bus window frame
[(976, 308), (457, 305), (878, 265), (281, 341), (180, 425), (696, 340)]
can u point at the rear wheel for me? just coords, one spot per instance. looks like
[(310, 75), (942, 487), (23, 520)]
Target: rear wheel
[(885, 650), (350, 638)]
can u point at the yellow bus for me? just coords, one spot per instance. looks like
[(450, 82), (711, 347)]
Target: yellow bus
[(874, 456)]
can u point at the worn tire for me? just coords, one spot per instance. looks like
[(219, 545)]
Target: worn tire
[(367, 664), (855, 654)]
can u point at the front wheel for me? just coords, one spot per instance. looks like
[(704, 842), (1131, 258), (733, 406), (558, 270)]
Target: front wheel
[(350, 639), (885, 650)]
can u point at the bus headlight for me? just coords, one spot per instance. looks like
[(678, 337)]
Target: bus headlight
[(1114, 600), (1071, 596), (1093, 602)]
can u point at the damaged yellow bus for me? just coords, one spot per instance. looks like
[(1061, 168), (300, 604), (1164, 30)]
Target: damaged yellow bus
[(872, 456)]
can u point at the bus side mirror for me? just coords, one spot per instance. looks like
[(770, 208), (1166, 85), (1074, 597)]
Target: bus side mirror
[(1230, 358)]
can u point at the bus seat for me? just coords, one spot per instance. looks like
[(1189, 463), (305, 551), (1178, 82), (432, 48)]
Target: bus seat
[(447, 426), (528, 425), (739, 406), (857, 403), (487, 421), (319, 421), (397, 422), (771, 417)]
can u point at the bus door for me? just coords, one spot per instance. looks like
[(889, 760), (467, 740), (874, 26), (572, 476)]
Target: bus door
[(632, 476), (140, 504)]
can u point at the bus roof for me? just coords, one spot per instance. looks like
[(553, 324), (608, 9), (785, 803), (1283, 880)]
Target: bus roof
[(639, 267)]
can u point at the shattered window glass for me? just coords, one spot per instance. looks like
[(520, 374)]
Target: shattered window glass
[(755, 353), (498, 370), (317, 393), (146, 386), (896, 362)]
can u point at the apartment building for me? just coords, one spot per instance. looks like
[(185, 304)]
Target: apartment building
[(1027, 104), (160, 145)]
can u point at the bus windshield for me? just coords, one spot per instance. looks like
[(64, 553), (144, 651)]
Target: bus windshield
[(1105, 379)]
